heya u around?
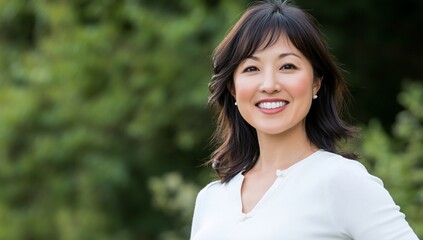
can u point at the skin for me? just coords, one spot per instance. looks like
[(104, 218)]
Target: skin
[(278, 73)]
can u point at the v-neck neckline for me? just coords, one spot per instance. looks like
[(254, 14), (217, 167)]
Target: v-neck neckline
[(280, 175), (267, 194)]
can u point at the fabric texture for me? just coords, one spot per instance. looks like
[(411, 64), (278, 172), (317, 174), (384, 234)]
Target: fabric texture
[(321, 197)]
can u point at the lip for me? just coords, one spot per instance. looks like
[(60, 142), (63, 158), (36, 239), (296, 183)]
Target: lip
[(273, 110)]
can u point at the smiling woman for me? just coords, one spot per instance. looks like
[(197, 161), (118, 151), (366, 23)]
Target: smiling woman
[(279, 94), (260, 28), (274, 88)]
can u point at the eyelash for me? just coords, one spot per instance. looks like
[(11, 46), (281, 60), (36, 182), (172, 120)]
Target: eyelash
[(287, 66), (291, 66), (250, 69)]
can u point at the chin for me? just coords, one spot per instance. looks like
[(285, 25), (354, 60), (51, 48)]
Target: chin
[(276, 129), (270, 131)]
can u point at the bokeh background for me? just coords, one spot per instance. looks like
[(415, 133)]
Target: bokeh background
[(104, 121)]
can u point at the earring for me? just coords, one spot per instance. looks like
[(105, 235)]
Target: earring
[(314, 96), (236, 104), (215, 164)]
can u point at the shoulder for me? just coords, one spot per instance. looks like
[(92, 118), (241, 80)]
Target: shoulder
[(203, 197), (340, 170), (351, 189), (210, 188), (213, 190), (358, 202), (217, 192), (212, 197)]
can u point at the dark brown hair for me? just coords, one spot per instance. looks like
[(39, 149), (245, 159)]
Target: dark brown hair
[(261, 25)]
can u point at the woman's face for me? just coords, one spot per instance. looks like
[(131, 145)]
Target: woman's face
[(274, 88)]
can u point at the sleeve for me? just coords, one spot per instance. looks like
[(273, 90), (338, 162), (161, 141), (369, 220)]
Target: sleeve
[(198, 212), (363, 208)]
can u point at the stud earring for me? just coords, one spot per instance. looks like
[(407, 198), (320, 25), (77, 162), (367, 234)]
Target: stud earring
[(215, 164), (236, 104), (314, 96)]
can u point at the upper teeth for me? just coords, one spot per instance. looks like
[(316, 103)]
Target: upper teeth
[(271, 105)]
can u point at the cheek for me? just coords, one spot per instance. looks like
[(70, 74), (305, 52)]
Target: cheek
[(243, 90), (301, 86)]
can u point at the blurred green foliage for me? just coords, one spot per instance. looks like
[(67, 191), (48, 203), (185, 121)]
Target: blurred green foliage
[(176, 198), (397, 157), (103, 109)]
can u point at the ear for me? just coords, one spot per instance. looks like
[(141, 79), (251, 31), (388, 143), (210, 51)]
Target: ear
[(316, 84), (231, 88)]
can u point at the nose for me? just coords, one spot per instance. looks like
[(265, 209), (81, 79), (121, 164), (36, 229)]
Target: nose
[(270, 83)]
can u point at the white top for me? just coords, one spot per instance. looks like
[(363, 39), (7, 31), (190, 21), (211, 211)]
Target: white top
[(324, 196)]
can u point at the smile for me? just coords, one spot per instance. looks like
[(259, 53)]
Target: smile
[(271, 105)]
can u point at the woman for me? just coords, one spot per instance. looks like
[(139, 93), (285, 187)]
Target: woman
[(278, 93)]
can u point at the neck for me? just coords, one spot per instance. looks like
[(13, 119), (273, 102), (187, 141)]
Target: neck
[(283, 150)]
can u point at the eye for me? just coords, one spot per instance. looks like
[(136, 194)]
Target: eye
[(288, 66), (250, 69)]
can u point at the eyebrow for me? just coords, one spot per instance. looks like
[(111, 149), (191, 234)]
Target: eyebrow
[(283, 55)]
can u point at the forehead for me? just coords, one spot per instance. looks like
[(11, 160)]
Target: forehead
[(281, 41)]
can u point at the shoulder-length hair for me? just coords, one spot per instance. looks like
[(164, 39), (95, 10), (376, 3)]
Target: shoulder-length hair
[(262, 24)]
